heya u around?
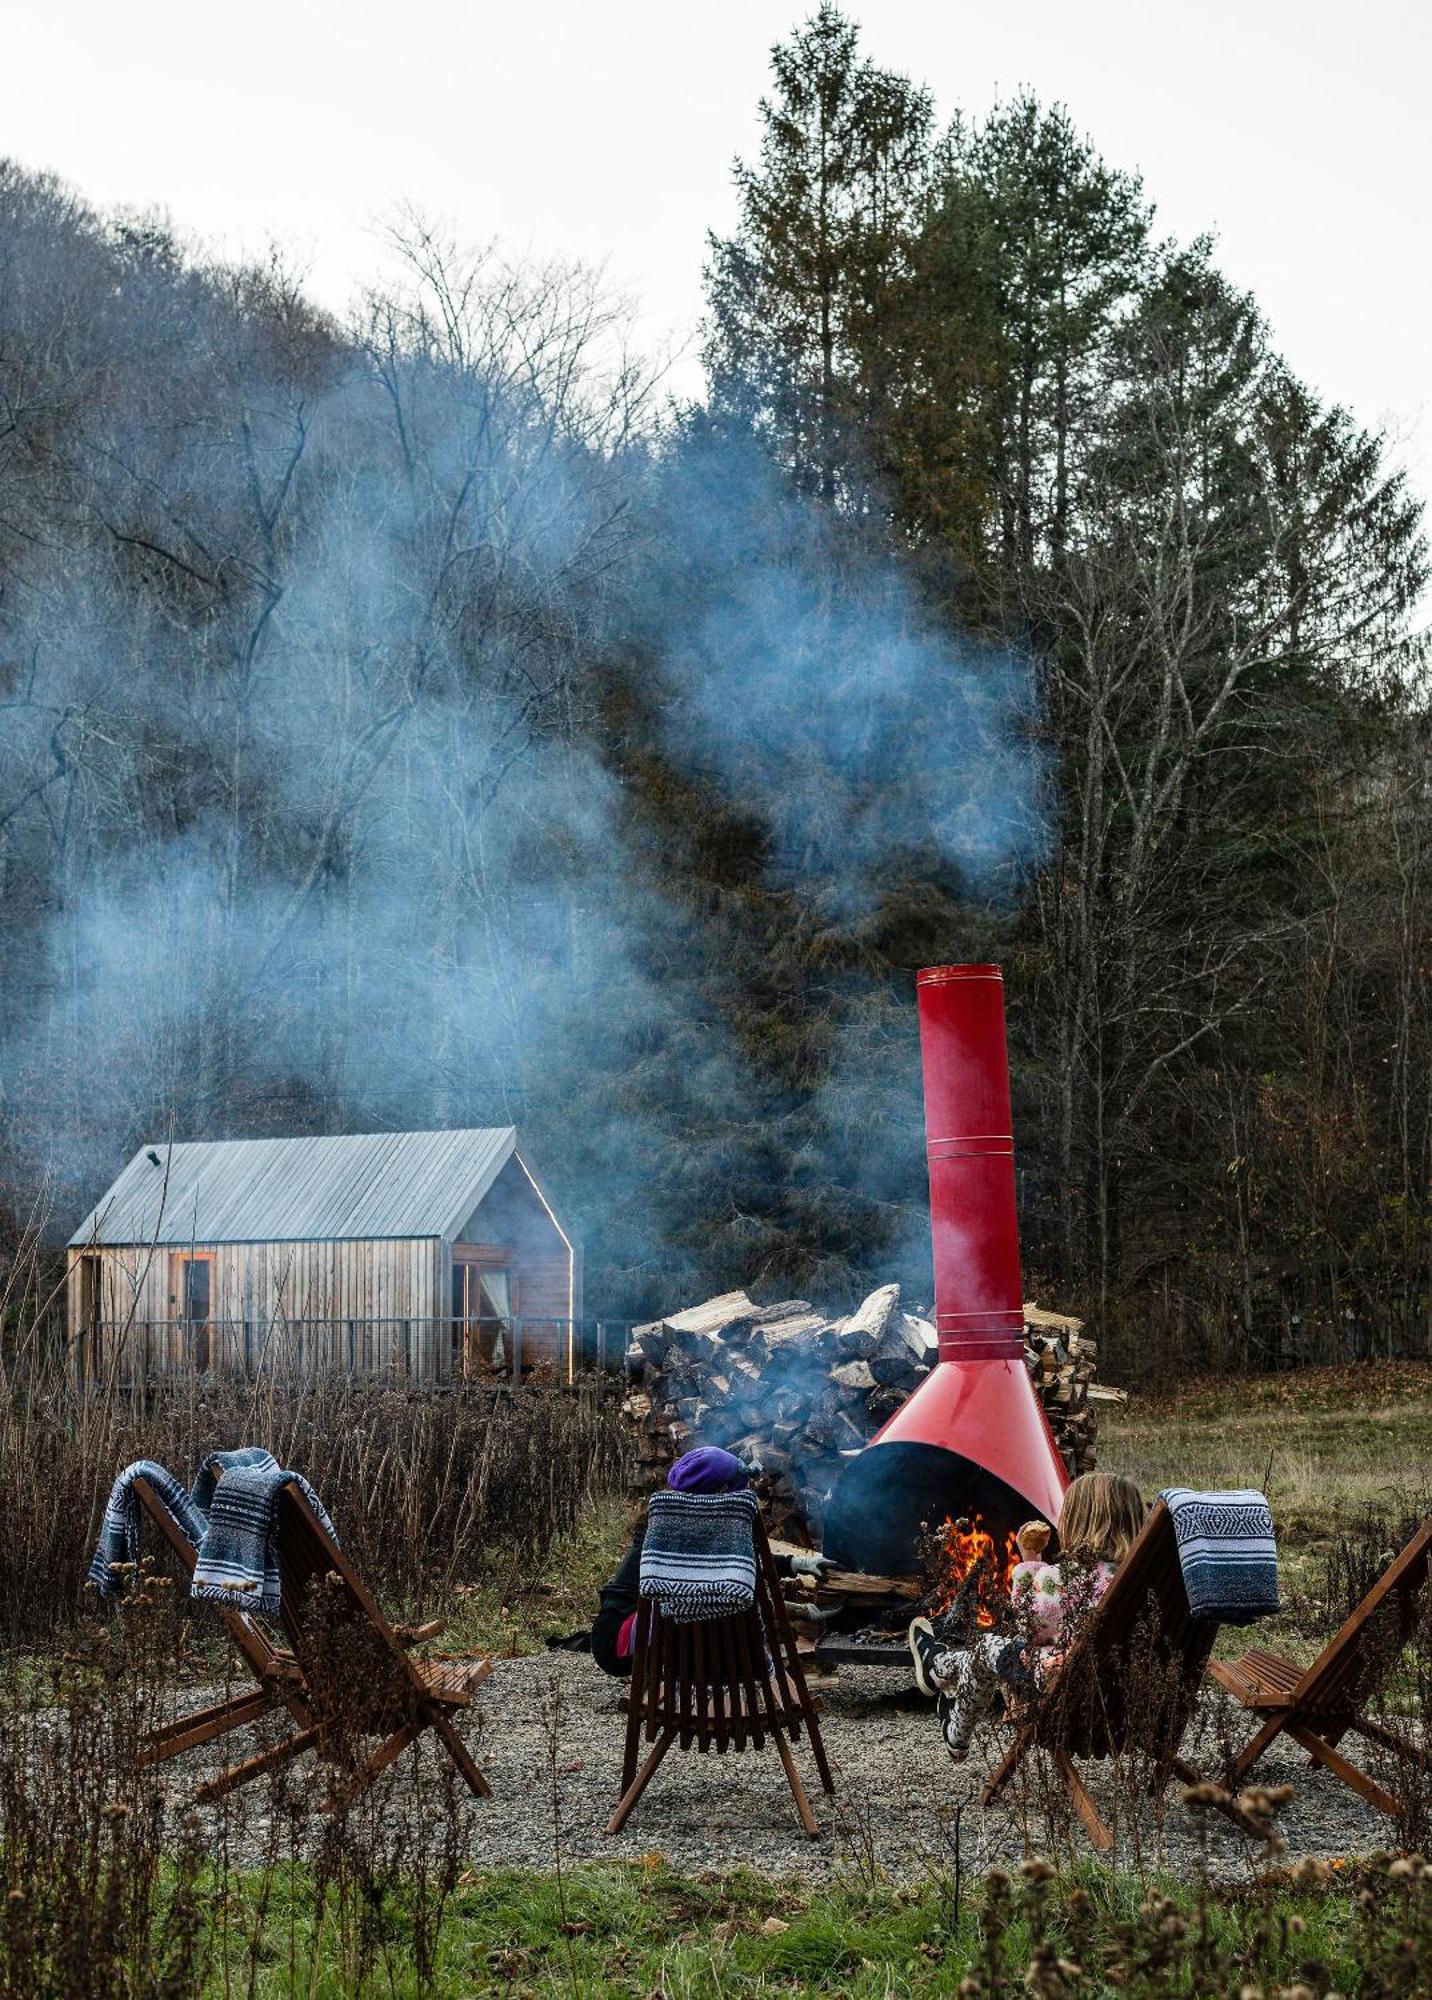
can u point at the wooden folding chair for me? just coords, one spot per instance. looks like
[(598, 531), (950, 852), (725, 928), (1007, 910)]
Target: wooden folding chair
[(1130, 1680), (357, 1677), (276, 1672), (1321, 1705), (720, 1683)]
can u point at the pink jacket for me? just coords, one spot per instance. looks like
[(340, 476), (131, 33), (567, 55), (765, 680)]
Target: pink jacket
[(1040, 1592)]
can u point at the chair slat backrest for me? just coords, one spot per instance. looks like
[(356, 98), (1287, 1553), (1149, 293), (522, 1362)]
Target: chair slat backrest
[(353, 1662), (1131, 1678), (721, 1681), (1353, 1658)]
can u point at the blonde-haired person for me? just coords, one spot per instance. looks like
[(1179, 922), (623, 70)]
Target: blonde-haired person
[(1101, 1515)]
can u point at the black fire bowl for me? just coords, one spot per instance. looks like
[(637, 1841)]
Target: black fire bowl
[(884, 1498)]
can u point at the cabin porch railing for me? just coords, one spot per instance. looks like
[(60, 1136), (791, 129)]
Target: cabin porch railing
[(422, 1352)]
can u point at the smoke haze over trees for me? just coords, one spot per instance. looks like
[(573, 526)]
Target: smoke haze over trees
[(415, 723)]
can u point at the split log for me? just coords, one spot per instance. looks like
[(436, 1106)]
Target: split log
[(861, 1332), (847, 1583)]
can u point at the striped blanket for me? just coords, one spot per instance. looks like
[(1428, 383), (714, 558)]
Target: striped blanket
[(1227, 1552), (699, 1556), (213, 1468), (119, 1531), (238, 1557)]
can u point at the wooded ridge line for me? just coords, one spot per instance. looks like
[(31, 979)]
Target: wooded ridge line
[(410, 722)]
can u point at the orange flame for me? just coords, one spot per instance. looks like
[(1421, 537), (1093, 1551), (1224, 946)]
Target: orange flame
[(965, 1554)]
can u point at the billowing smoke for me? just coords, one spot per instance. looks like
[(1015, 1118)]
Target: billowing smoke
[(356, 688)]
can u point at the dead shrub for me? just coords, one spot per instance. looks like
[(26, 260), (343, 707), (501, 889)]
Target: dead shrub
[(100, 1893), (424, 1485)]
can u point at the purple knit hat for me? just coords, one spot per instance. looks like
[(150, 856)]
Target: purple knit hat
[(708, 1469)]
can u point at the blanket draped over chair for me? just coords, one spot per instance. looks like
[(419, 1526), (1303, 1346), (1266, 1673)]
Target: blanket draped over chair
[(119, 1531), (238, 1557), (230, 1516), (1227, 1553), (699, 1556), (213, 1467)]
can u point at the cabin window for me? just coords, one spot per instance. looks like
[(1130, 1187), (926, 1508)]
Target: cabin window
[(90, 1291), (89, 1352)]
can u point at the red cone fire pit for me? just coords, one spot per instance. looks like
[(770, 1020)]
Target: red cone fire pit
[(972, 1441)]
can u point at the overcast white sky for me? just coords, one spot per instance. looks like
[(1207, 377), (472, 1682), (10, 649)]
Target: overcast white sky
[(604, 129)]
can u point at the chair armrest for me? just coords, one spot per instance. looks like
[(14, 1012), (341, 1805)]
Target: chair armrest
[(417, 1635)]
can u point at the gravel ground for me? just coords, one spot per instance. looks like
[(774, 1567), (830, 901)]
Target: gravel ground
[(550, 1722)]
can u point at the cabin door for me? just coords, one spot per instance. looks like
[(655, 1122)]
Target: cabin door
[(194, 1275), (89, 1351), (482, 1308)]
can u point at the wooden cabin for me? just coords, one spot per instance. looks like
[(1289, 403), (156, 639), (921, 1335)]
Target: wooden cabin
[(427, 1256)]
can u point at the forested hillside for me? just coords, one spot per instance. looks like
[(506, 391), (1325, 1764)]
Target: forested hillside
[(419, 721)]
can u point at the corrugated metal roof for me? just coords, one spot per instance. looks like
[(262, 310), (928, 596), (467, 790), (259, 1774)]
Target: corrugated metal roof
[(301, 1190)]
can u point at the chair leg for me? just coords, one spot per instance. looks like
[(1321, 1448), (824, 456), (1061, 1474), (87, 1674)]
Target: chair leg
[(817, 1747), (1084, 1805), (1323, 1753), (822, 1762), (182, 1724), (253, 1767), (202, 1726), (460, 1754), (1255, 1746), (358, 1781), (1388, 1739), (1007, 1766), (793, 1779), (640, 1782)]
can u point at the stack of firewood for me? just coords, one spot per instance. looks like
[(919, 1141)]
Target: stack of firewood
[(1063, 1361), (794, 1390)]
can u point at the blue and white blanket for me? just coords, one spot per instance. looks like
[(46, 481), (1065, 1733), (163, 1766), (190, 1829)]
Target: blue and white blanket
[(1227, 1552), (238, 1557), (119, 1531), (213, 1468), (698, 1559)]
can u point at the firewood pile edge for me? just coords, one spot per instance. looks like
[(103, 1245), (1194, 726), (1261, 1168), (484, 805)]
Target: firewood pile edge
[(792, 1389)]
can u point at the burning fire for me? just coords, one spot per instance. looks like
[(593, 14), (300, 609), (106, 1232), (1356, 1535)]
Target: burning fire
[(966, 1563)]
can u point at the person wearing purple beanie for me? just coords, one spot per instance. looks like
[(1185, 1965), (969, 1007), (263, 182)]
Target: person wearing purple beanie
[(706, 1469)]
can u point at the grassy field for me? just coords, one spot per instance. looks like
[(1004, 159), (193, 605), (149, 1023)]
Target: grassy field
[(1324, 1444)]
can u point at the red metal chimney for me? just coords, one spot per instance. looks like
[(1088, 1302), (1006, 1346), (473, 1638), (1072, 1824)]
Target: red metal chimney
[(973, 1437)]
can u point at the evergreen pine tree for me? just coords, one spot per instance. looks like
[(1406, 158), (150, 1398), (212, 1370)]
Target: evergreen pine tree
[(796, 345)]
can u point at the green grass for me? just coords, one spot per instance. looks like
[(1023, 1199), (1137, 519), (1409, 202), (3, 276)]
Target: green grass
[(517, 1602), (619, 1930), (1323, 1443)]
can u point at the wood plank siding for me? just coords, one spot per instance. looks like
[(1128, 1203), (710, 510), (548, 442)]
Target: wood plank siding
[(362, 1306), (513, 1229)]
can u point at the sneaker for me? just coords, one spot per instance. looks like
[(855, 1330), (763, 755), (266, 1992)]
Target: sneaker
[(958, 1746), (923, 1648)]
